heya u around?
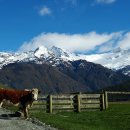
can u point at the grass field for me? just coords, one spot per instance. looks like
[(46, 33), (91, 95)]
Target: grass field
[(117, 117)]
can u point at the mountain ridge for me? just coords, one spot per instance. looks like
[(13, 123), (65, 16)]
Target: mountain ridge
[(116, 59)]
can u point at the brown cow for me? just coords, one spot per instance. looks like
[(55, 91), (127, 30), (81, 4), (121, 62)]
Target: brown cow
[(22, 98)]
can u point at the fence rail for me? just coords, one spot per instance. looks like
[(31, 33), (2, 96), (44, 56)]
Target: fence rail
[(73, 102), (108, 93)]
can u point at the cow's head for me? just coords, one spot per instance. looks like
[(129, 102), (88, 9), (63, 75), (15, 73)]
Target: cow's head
[(35, 93)]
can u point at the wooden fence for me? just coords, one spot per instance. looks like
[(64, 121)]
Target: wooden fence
[(72, 102), (107, 93)]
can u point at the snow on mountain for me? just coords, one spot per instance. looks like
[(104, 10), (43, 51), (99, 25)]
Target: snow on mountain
[(42, 52), (40, 55), (125, 70), (63, 54), (117, 59), (58, 52), (7, 58)]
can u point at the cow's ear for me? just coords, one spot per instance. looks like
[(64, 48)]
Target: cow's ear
[(39, 91)]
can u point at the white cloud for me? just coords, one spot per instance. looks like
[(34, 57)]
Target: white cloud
[(71, 42), (45, 11), (124, 43), (111, 44), (105, 48), (105, 1)]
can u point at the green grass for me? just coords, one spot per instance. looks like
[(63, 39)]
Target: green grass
[(117, 117)]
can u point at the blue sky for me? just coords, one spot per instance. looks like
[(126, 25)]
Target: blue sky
[(93, 26)]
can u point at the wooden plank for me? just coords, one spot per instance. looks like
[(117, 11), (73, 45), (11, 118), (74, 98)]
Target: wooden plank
[(89, 109), (93, 101), (39, 106), (39, 102), (89, 106), (42, 98), (118, 92), (63, 104), (90, 96), (62, 107), (62, 101), (62, 96)]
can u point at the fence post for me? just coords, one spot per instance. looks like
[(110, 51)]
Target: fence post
[(106, 99), (49, 103), (78, 103), (102, 106)]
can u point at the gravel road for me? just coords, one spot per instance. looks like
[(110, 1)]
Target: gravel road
[(16, 123)]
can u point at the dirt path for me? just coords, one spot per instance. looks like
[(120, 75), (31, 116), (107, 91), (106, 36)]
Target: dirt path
[(15, 123)]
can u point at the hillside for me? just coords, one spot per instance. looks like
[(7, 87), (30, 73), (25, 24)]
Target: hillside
[(47, 78), (93, 75), (77, 76)]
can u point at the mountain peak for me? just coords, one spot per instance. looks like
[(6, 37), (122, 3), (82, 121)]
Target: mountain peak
[(40, 51), (58, 52)]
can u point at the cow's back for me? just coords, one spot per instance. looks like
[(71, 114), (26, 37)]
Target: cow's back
[(2, 94), (12, 95)]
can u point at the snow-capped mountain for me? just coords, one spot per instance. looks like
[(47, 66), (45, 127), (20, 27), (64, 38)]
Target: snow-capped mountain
[(53, 56), (72, 73), (116, 60)]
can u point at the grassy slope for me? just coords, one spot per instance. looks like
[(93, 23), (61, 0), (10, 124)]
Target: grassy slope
[(117, 117)]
